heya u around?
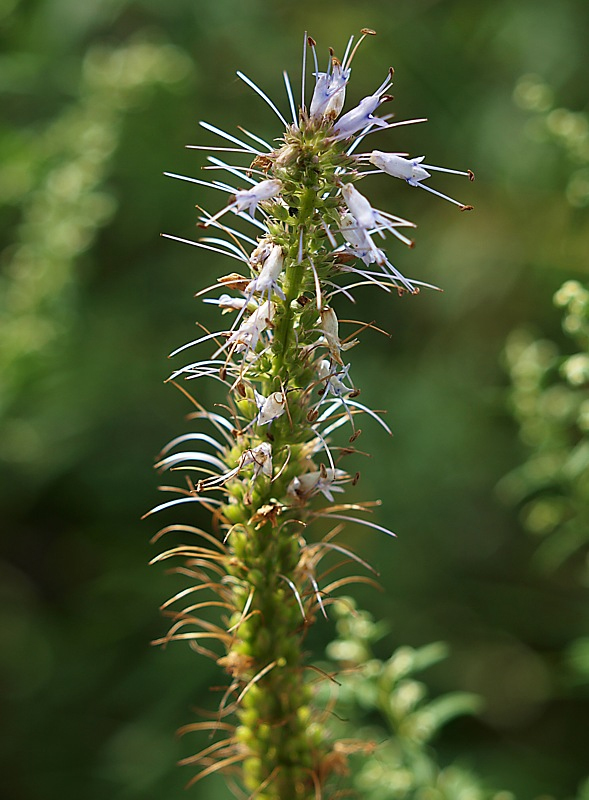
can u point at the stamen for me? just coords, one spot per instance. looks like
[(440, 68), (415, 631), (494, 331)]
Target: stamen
[(208, 127), (262, 94), (239, 251), (203, 246), (291, 101), (188, 437), (365, 32), (256, 138), (239, 172), (180, 501), (311, 42), (345, 62)]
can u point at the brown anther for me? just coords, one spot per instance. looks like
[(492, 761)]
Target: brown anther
[(323, 471), (223, 373), (240, 388), (331, 52), (470, 175), (355, 479), (411, 244), (303, 301), (386, 98), (355, 393), (368, 32), (391, 71), (466, 208), (312, 415), (355, 435), (311, 42)]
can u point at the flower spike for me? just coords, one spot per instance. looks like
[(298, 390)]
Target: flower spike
[(265, 464)]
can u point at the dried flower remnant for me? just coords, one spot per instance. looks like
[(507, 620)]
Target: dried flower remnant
[(268, 466)]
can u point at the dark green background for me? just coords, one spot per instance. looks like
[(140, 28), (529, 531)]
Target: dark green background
[(89, 708)]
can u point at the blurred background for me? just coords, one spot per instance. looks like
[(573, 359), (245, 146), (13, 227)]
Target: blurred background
[(99, 98)]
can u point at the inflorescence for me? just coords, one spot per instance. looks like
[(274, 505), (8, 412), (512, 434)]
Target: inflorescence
[(267, 454)]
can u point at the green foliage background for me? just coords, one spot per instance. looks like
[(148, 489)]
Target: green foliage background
[(99, 99)]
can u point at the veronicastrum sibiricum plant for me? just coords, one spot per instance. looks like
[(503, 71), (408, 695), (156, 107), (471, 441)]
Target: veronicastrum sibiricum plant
[(266, 464)]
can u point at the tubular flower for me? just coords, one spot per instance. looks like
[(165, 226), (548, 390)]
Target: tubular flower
[(362, 117), (413, 171), (264, 461)]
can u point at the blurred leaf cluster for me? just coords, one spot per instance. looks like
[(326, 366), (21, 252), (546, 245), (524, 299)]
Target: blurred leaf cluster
[(550, 399), (388, 717)]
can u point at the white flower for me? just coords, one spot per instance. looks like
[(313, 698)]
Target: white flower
[(330, 328), (361, 244), (369, 218), (362, 117), (356, 236), (260, 457), (270, 408), (360, 207), (227, 303), (334, 381), (250, 198), (414, 171), (267, 280), (323, 480), (260, 253), (330, 91), (247, 335)]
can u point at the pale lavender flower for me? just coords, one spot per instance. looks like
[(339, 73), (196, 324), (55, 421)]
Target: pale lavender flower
[(369, 218), (267, 281), (227, 303), (330, 91), (330, 87), (361, 117), (413, 171), (250, 198)]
